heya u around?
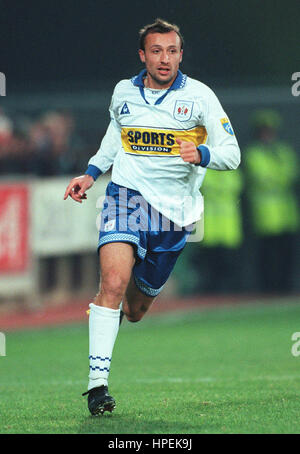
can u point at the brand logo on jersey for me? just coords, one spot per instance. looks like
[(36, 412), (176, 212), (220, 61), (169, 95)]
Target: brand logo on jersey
[(183, 110), (227, 126), (125, 110)]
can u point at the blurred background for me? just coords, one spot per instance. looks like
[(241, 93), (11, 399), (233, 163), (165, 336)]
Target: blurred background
[(61, 61)]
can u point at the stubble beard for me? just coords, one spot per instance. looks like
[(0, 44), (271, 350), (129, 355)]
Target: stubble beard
[(160, 81)]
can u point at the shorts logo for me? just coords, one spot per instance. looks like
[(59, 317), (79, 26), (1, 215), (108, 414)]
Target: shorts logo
[(110, 225), (183, 110), (227, 126)]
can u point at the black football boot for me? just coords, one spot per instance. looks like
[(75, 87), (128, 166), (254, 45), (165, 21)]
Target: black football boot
[(99, 400)]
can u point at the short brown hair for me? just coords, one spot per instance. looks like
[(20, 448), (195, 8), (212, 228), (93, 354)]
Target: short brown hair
[(159, 26)]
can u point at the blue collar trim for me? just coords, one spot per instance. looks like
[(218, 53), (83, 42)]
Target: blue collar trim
[(138, 81)]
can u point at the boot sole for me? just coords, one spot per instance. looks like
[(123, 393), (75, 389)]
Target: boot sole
[(101, 408)]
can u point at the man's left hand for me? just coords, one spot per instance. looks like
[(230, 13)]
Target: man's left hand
[(189, 152)]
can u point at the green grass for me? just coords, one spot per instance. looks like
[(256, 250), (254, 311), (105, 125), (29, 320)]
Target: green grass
[(224, 370)]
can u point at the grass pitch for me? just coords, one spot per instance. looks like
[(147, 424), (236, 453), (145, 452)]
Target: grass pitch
[(223, 370)]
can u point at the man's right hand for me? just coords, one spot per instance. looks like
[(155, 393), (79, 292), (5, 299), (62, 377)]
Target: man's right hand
[(78, 186)]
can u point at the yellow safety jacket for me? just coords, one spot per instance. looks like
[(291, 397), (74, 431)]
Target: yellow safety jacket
[(222, 208), (272, 171)]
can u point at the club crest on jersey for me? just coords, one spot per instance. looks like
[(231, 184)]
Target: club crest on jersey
[(183, 110), (227, 126), (125, 110)]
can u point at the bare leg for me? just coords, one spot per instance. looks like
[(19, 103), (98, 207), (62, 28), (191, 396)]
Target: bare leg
[(135, 303), (116, 263)]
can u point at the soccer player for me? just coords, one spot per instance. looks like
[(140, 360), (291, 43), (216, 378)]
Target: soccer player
[(165, 130)]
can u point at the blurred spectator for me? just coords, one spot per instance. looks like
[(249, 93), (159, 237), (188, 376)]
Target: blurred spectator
[(13, 147), (47, 146), (54, 144), (6, 129), (218, 255), (271, 167), (40, 146)]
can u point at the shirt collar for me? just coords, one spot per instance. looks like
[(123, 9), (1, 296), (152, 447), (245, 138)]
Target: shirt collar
[(179, 82)]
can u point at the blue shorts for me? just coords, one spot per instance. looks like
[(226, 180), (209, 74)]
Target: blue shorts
[(158, 242)]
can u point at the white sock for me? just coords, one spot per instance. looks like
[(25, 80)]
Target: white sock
[(103, 330)]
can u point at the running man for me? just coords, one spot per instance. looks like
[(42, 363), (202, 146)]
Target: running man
[(166, 129)]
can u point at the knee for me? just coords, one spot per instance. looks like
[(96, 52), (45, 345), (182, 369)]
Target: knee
[(113, 284), (134, 318), (134, 314)]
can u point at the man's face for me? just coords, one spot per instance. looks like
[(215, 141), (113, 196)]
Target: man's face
[(162, 57)]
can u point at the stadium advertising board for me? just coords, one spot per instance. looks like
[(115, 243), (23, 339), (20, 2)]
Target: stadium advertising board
[(63, 227), (14, 228)]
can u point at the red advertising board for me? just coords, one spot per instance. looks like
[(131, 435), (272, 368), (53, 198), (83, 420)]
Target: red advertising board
[(14, 228)]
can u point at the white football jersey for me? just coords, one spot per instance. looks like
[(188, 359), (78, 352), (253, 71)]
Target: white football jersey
[(140, 143)]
